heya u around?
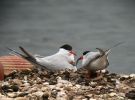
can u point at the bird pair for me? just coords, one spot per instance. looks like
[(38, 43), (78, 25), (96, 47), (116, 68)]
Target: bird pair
[(65, 59)]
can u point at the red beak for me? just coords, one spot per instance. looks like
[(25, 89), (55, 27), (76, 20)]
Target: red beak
[(72, 52), (81, 58)]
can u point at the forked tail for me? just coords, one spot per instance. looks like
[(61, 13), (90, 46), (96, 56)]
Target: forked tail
[(27, 56), (109, 50)]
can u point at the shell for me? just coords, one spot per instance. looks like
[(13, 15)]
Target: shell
[(10, 63)]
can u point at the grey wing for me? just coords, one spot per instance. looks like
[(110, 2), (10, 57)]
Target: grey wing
[(55, 62)]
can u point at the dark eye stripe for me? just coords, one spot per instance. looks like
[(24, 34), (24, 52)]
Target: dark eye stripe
[(66, 47), (85, 52)]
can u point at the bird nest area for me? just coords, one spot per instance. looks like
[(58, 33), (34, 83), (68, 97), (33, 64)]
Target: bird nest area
[(66, 85)]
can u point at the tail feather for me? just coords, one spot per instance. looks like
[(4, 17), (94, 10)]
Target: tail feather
[(102, 52), (26, 53), (109, 50), (27, 56), (16, 52)]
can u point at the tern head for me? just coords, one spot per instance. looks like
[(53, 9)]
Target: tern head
[(66, 50), (66, 47), (82, 57)]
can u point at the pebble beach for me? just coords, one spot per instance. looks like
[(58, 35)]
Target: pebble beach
[(66, 85)]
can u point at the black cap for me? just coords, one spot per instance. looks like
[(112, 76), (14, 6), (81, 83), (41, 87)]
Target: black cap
[(85, 52), (66, 47)]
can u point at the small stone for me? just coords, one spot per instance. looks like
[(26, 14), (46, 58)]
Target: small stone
[(122, 94), (38, 80), (20, 98), (26, 84), (45, 96), (15, 88), (85, 99), (112, 94), (61, 96), (5, 83), (78, 86), (121, 98), (130, 94), (45, 83), (6, 88), (88, 96), (39, 93), (132, 75), (104, 71), (12, 95), (92, 99), (22, 94), (125, 76), (80, 97), (18, 82), (31, 90), (5, 98), (93, 84)]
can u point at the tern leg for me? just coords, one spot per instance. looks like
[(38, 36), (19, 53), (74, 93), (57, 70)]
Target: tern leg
[(99, 75), (91, 74)]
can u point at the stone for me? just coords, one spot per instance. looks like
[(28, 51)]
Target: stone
[(17, 81), (125, 76), (61, 96), (112, 94), (132, 75), (78, 86), (6, 98), (21, 98), (38, 93), (130, 94), (12, 95), (92, 99), (67, 86)]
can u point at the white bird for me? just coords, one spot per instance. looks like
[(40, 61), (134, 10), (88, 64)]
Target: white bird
[(63, 59), (95, 61)]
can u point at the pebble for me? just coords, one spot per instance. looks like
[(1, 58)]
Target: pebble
[(38, 93), (61, 86), (78, 86), (125, 76), (61, 96), (21, 98), (92, 99), (6, 98), (132, 75), (45, 83), (12, 95), (112, 94), (130, 94)]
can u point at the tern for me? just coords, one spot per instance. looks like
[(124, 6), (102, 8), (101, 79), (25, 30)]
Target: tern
[(63, 59), (95, 61)]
